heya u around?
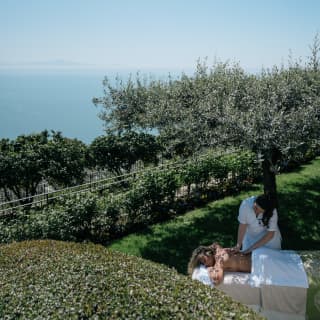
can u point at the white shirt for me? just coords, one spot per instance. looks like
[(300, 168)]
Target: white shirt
[(255, 227)]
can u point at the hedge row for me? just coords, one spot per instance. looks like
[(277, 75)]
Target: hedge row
[(151, 197), (60, 280)]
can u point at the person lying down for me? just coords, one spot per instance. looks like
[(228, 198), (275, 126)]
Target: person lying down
[(217, 260), (266, 266)]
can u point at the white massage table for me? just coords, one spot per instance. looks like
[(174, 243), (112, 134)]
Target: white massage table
[(276, 287)]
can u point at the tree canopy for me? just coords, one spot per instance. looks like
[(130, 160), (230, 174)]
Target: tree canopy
[(118, 153), (30, 159), (275, 113)]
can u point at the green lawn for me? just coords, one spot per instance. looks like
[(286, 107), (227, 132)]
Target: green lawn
[(171, 243)]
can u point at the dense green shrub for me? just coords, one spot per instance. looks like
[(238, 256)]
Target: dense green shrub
[(311, 262), (30, 159), (220, 173), (152, 197), (238, 169), (196, 172), (118, 153), (71, 218), (68, 219), (59, 280), (106, 224)]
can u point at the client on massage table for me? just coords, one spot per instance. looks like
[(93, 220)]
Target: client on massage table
[(217, 260)]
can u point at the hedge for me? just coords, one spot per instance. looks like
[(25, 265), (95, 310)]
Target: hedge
[(152, 196), (65, 280)]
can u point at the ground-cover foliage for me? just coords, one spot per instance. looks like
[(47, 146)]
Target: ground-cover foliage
[(149, 197), (172, 242), (61, 280)]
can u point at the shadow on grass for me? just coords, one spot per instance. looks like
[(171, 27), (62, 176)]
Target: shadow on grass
[(299, 221), (172, 243), (299, 217)]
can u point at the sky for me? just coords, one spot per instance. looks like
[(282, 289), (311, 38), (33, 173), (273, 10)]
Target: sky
[(154, 34)]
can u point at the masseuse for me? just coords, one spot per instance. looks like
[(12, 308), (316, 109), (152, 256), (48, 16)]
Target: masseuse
[(258, 225)]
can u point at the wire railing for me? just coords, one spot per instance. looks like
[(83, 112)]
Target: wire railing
[(44, 198), (46, 187)]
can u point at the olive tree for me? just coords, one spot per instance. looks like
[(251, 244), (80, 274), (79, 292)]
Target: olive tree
[(275, 113), (280, 122)]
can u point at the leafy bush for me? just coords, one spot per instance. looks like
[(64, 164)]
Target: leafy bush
[(152, 197), (119, 153), (68, 219), (311, 262), (106, 224), (196, 172), (220, 173), (237, 170), (158, 187), (30, 159), (59, 280)]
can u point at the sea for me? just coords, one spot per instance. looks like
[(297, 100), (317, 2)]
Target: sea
[(60, 100)]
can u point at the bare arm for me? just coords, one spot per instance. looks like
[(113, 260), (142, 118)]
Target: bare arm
[(241, 232), (266, 238)]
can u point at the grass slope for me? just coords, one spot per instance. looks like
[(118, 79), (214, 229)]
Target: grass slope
[(171, 243)]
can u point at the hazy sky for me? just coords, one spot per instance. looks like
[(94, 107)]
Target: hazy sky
[(170, 34)]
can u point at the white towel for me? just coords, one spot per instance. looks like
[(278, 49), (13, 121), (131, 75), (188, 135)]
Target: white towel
[(201, 274), (277, 267)]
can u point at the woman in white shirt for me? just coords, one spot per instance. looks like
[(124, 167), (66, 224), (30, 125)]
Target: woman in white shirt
[(258, 225)]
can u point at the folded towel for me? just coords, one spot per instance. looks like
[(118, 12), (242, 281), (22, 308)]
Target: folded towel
[(201, 274), (277, 267)]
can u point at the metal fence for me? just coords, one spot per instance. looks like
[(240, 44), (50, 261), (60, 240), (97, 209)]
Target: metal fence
[(95, 184), (44, 187), (97, 181)]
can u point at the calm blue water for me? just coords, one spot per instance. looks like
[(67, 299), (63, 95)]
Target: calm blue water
[(60, 100), (31, 101)]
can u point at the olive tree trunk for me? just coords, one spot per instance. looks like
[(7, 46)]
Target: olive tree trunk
[(269, 182)]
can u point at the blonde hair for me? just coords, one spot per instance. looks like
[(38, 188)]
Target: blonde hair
[(195, 261)]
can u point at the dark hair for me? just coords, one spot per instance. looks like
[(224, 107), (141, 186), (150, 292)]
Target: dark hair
[(264, 202)]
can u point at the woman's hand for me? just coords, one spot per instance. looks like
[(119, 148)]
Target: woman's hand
[(267, 237), (236, 248)]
